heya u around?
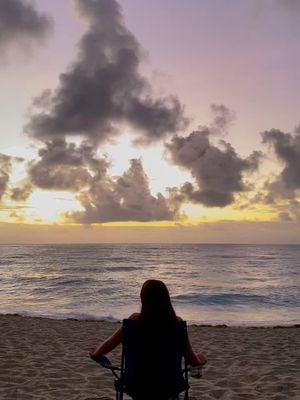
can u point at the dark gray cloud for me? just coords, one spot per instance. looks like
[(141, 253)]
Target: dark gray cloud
[(20, 23), (281, 192), (127, 198), (21, 192), (218, 171), (65, 166), (103, 89), (223, 117), (5, 169), (287, 150)]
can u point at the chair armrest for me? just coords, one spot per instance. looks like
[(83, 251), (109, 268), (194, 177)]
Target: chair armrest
[(196, 371), (105, 363)]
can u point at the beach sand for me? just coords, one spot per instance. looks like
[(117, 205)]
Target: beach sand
[(48, 359)]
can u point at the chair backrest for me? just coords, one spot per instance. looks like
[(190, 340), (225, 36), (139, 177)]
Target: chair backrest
[(152, 359)]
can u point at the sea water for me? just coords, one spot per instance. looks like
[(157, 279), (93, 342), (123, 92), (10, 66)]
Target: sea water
[(209, 284)]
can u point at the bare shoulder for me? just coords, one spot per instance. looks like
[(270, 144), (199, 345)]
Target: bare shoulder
[(179, 318), (134, 316)]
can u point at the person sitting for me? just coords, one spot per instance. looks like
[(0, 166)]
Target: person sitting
[(158, 322)]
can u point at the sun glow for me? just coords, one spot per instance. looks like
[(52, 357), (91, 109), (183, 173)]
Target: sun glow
[(199, 214), (49, 206)]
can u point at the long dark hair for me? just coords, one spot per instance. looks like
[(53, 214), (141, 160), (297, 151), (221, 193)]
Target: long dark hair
[(156, 303)]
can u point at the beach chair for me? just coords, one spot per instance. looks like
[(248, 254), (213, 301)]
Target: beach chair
[(153, 363)]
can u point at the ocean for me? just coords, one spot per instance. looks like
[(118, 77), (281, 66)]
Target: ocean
[(256, 285)]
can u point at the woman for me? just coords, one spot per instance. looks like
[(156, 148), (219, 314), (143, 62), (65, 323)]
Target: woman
[(156, 311)]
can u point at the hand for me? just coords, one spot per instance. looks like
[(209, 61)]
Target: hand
[(202, 359), (92, 352)]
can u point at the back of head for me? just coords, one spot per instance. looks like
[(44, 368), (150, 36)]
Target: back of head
[(156, 303)]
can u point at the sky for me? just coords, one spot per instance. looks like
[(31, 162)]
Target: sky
[(137, 121)]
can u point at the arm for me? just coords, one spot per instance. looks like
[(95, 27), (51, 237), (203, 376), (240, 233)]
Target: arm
[(193, 358), (112, 342), (107, 346)]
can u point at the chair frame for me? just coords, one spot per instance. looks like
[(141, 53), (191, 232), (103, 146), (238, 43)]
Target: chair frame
[(118, 373)]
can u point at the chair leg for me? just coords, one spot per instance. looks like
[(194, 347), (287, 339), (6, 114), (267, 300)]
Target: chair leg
[(119, 395)]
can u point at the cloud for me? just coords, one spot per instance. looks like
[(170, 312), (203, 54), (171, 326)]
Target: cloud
[(287, 150), (126, 198), (218, 171), (103, 89), (5, 169), (281, 192), (288, 210), (6, 163), (21, 192), (223, 117), (20, 24), (65, 166)]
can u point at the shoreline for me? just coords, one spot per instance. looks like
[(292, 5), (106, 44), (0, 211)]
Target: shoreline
[(48, 358), (118, 321)]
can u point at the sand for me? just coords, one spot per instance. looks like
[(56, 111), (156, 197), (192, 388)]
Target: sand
[(48, 359)]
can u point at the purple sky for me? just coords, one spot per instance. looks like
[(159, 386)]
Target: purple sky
[(241, 54)]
